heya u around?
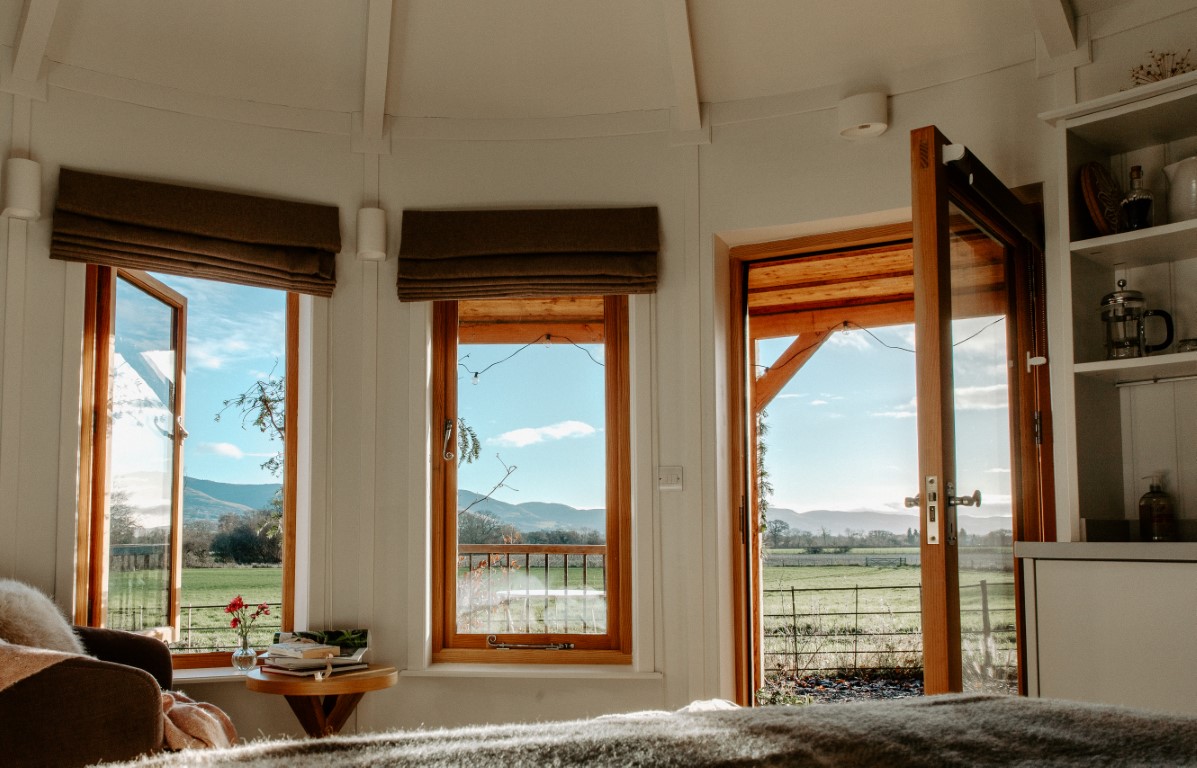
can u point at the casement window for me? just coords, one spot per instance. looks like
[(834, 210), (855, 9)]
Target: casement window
[(168, 521), (153, 546), (531, 394)]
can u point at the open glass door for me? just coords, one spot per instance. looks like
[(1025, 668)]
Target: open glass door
[(982, 405)]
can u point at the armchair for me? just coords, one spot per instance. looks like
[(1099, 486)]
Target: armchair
[(87, 709)]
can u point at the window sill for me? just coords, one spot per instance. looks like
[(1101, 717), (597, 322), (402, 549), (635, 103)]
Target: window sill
[(554, 671), (209, 675)]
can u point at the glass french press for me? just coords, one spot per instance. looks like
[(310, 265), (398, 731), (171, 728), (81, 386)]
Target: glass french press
[(1124, 313)]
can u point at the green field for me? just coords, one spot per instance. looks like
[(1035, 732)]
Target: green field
[(137, 602)]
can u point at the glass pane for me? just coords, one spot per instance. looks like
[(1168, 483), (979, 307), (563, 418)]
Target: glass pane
[(140, 460), (983, 459), (233, 460), (531, 519)]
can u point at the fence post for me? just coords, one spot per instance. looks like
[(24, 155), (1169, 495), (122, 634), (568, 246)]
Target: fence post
[(985, 622), (855, 628), (794, 626)]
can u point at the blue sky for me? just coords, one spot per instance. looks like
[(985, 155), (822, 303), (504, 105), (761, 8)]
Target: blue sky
[(236, 336), (842, 433), (540, 411)]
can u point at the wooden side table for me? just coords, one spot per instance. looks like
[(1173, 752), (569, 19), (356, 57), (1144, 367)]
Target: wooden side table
[(322, 707)]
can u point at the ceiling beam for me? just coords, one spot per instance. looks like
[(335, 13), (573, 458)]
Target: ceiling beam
[(687, 114), (24, 76), (370, 133), (1057, 26), (788, 363)]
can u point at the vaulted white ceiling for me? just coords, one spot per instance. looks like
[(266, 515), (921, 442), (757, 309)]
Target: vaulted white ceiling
[(502, 60)]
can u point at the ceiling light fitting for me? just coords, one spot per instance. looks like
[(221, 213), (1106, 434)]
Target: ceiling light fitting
[(22, 189), (372, 234), (863, 116)]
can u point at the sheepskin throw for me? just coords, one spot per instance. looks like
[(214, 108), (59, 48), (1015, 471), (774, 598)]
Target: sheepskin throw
[(27, 617), (957, 731)]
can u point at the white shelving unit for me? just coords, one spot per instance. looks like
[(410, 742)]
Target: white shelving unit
[(1102, 598), (1124, 419)]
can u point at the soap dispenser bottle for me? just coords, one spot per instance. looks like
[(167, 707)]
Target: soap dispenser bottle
[(1156, 519)]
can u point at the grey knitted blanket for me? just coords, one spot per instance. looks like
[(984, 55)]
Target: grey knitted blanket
[(941, 731)]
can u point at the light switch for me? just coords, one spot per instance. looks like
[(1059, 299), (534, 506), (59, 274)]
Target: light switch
[(669, 478)]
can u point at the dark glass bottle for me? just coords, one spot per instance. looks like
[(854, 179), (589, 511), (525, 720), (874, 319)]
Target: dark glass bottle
[(1156, 519), (1138, 203)]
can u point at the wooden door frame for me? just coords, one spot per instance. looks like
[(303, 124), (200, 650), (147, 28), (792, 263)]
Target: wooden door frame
[(747, 634)]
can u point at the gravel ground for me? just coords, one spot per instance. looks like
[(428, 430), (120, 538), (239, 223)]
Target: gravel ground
[(829, 690)]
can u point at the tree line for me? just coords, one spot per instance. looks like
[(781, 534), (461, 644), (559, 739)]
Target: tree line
[(779, 534), (249, 538)]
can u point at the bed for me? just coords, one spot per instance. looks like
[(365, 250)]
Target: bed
[(955, 730)]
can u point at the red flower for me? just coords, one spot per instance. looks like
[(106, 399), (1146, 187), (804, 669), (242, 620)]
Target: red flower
[(234, 605), (235, 622)]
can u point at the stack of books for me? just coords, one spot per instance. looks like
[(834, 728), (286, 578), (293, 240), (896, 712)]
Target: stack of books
[(311, 654)]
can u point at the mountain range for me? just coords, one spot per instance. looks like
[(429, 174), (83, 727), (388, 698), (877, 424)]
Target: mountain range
[(838, 522), (209, 500)]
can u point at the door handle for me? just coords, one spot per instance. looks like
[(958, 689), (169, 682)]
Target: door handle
[(912, 501), (966, 501)]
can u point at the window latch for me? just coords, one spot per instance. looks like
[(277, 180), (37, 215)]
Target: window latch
[(448, 455), (492, 641)]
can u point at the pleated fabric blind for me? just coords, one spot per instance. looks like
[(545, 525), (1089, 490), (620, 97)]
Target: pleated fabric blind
[(524, 253), (181, 230)]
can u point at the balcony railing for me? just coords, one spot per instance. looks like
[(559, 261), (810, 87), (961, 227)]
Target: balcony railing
[(531, 588)]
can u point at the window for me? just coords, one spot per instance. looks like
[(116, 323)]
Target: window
[(531, 394), (168, 519)]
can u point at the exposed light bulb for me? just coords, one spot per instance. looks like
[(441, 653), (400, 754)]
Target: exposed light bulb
[(474, 381), (548, 340)]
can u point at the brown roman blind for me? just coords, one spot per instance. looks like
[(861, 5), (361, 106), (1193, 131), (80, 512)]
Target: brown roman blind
[(195, 232), (524, 253)]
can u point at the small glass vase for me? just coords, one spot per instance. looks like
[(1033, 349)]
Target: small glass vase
[(244, 658)]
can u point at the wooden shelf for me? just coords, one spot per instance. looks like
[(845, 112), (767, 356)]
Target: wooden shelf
[(1140, 369), (1141, 247)]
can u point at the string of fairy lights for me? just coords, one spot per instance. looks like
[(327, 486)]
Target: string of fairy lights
[(545, 338)]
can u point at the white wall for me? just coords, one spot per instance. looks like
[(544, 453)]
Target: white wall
[(368, 478)]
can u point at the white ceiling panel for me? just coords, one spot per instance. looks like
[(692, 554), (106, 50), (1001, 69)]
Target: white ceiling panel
[(299, 53), (771, 47), (528, 58)]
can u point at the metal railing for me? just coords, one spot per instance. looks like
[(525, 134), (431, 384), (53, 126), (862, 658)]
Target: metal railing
[(531, 588), (202, 628)]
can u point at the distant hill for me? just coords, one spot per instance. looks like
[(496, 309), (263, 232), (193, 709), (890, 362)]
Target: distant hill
[(535, 515), (209, 500), (837, 522)]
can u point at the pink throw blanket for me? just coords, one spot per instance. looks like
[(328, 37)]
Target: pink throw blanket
[(188, 724)]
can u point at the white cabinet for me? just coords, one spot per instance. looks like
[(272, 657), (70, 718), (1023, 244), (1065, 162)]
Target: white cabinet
[(1112, 623), (1121, 420)]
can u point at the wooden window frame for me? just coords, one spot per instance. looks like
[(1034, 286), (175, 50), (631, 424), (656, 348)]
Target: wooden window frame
[(91, 548), (613, 647)]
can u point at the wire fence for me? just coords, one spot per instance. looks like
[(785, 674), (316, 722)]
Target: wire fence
[(859, 630), (203, 628)]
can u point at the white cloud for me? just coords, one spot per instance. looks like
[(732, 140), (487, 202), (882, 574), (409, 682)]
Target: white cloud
[(524, 436), (906, 411), (227, 450), (987, 398), (818, 402), (789, 396), (853, 339), (998, 471)]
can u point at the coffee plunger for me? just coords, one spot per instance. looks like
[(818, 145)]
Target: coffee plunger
[(1124, 313)]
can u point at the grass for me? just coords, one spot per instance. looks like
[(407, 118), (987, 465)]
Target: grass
[(201, 628)]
